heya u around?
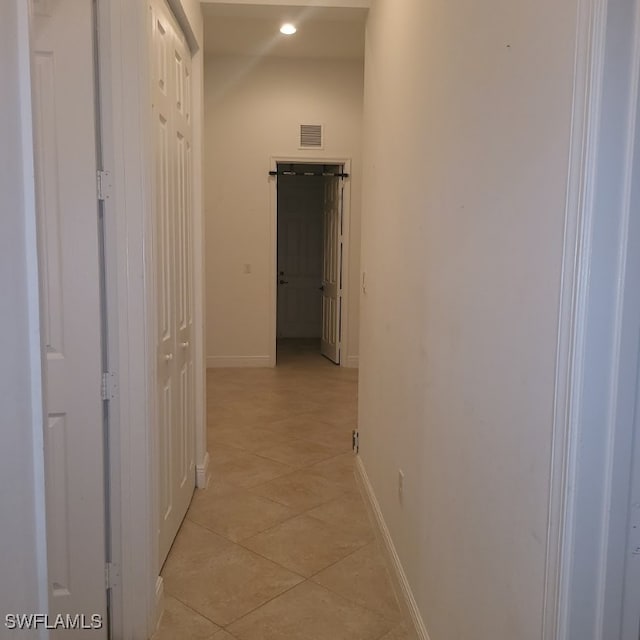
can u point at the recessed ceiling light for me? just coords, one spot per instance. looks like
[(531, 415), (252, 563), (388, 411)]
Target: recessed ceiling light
[(288, 29)]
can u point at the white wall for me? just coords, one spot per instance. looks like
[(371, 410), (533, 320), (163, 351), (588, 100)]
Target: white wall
[(253, 109), (467, 124), (22, 538)]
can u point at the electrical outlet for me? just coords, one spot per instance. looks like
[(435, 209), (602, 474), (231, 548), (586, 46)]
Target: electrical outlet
[(400, 485)]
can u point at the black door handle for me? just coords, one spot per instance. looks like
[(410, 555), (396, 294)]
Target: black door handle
[(321, 288), (283, 282)]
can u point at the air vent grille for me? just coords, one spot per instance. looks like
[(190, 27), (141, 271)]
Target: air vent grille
[(311, 136)]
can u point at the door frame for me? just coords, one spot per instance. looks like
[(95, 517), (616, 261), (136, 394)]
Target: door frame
[(597, 353), (125, 103), (273, 248)]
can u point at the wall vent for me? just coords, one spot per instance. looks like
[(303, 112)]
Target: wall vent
[(311, 136)]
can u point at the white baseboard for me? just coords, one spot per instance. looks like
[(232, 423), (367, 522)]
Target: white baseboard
[(203, 473), (218, 362), (353, 362), (159, 602), (398, 575)]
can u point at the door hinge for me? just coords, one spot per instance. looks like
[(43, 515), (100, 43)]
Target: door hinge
[(111, 575), (355, 441), (109, 385), (104, 185)]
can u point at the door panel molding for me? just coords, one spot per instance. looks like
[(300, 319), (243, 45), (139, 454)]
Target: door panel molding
[(172, 184)]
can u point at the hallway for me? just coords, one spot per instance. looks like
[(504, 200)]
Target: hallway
[(280, 545)]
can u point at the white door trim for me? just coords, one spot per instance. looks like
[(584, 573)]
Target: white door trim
[(273, 249), (128, 241), (35, 356), (585, 474), (571, 324), (125, 77)]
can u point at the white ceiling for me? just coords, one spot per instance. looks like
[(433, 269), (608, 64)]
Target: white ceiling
[(253, 30)]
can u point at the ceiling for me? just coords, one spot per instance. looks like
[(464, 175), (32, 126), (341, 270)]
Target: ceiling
[(253, 30)]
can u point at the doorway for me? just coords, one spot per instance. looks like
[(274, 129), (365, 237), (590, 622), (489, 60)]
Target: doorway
[(309, 215)]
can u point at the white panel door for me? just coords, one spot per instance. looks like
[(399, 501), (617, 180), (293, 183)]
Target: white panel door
[(171, 111), (65, 137), (300, 246), (332, 269)]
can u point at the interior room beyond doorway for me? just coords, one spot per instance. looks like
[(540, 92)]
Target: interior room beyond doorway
[(309, 257)]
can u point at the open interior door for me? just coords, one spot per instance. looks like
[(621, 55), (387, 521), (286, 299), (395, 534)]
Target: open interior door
[(68, 223), (332, 269)]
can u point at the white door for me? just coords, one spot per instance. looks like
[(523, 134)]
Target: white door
[(65, 152), (171, 110), (332, 269), (300, 246)]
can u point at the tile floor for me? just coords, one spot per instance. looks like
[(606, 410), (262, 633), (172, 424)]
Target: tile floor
[(280, 547)]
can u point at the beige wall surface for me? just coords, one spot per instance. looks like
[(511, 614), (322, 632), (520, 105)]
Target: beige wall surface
[(466, 127), (253, 109)]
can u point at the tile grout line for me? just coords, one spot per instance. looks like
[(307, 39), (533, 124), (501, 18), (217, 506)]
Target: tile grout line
[(238, 542), (282, 383), (175, 597), (264, 604)]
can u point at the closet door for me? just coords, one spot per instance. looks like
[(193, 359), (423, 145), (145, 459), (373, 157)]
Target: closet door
[(173, 258), (65, 169)]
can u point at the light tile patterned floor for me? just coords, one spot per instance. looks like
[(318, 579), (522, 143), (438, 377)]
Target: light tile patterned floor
[(280, 547)]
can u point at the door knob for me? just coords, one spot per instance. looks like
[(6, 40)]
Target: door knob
[(284, 282), (169, 357), (184, 345), (321, 288)]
